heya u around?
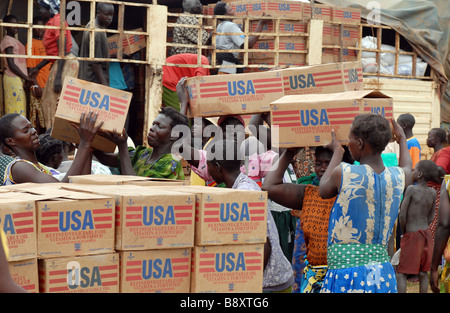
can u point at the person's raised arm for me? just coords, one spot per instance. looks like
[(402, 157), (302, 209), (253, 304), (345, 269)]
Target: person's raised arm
[(87, 131), (126, 168), (441, 237), (259, 27), (404, 160), (331, 179), (286, 194)]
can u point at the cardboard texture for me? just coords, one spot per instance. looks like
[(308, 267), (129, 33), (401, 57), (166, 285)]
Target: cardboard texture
[(346, 15), (71, 223), (275, 8), (148, 218), (103, 179), (226, 269), (307, 120), (253, 92), (288, 43), (321, 12), (155, 271), (285, 26), (82, 274), (130, 43), (18, 221), (228, 216), (78, 96), (25, 274)]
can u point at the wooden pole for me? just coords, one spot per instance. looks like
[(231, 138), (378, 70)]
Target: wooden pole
[(315, 42), (156, 58)]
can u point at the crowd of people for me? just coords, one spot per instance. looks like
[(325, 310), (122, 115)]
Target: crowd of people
[(358, 218)]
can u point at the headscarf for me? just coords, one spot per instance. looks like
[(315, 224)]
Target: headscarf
[(52, 5)]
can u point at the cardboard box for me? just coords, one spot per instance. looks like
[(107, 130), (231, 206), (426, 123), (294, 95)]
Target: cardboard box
[(153, 271), (333, 55), (71, 223), (130, 43), (307, 120), (321, 12), (274, 8), (287, 43), (325, 78), (25, 274), (82, 274), (228, 216), (18, 221), (147, 217), (233, 94), (285, 26), (346, 15), (104, 179), (78, 96), (349, 37), (233, 268), (253, 92)]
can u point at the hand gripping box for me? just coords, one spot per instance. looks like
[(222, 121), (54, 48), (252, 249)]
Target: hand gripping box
[(148, 217), (18, 222), (155, 271), (307, 120), (78, 96), (25, 274), (253, 92), (81, 274), (228, 216), (226, 269)]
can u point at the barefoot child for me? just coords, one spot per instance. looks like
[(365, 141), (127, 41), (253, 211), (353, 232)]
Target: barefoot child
[(416, 214)]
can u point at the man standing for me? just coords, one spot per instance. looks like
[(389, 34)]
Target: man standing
[(97, 71), (185, 35), (49, 11), (231, 42)]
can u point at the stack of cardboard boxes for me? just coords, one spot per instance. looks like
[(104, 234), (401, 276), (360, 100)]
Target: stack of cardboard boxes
[(293, 19), (93, 235)]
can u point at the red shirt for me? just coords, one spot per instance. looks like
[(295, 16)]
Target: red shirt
[(50, 40), (172, 74), (442, 158)]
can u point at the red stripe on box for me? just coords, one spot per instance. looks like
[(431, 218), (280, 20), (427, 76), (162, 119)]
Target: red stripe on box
[(257, 218), (285, 118), (73, 87), (212, 205), (116, 111), (183, 274), (23, 214), (184, 222), (115, 99), (49, 229), (286, 112), (24, 230), (70, 99), (183, 207)]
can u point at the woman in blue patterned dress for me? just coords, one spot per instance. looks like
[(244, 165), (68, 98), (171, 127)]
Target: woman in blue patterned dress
[(366, 208)]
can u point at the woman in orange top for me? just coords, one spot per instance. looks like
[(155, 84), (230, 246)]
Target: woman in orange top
[(312, 227), (39, 72)]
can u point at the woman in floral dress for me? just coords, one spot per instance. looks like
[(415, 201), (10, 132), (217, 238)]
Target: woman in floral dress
[(366, 208)]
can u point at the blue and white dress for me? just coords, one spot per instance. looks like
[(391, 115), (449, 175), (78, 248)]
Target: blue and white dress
[(361, 223)]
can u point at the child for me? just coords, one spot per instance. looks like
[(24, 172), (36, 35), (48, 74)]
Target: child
[(16, 73), (407, 122), (223, 165), (17, 134), (416, 214), (97, 71), (366, 207)]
